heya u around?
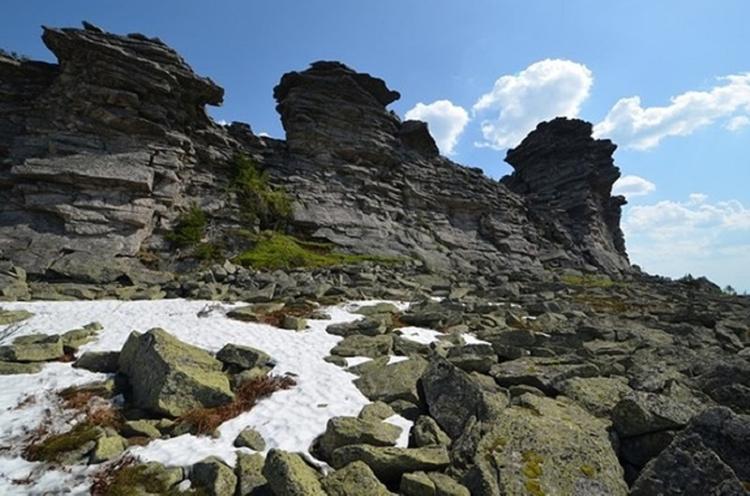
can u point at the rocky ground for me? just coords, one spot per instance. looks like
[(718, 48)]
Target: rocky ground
[(189, 308)]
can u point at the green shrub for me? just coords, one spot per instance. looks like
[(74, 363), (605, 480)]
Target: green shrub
[(260, 202), (190, 229), (274, 250)]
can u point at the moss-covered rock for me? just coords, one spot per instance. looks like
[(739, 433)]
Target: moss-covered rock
[(146, 480), (98, 361), (546, 446), (541, 372), (250, 438), (14, 368), (68, 448), (249, 472), (170, 377), (426, 432), (353, 479), (377, 410), (431, 484), (397, 381), (389, 463), (288, 474), (107, 448), (242, 357), (364, 327), (598, 395), (141, 428), (33, 348), (8, 317), (367, 346), (213, 475), (76, 338), (342, 431), (640, 413)]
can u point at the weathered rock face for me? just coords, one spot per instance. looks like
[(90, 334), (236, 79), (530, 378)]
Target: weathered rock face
[(566, 177), (99, 152)]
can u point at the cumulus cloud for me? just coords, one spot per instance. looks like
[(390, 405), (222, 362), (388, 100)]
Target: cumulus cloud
[(630, 186), (737, 122), (694, 236), (446, 122), (635, 126), (517, 103)]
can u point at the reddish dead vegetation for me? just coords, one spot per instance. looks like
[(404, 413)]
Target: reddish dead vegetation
[(294, 310), (206, 420), (103, 480), (67, 357), (92, 403)]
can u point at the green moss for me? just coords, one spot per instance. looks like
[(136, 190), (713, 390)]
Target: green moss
[(190, 229), (533, 487), (274, 250), (588, 470), (589, 281), (260, 202), (136, 480), (50, 449)]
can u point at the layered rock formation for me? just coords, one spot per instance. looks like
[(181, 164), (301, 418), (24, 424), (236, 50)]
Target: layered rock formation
[(101, 152)]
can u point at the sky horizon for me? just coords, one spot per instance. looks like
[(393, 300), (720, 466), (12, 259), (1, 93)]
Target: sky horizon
[(669, 83)]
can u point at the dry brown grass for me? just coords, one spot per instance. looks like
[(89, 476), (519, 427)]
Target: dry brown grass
[(294, 310), (206, 420), (103, 480), (92, 403)]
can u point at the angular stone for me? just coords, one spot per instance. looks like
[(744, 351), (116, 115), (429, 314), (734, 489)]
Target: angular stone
[(107, 448), (397, 381), (293, 323), (546, 446), (170, 377), (140, 428), (473, 357), (15, 368), (641, 413), (242, 357), (249, 472), (355, 478), (541, 372), (598, 395), (376, 411), (453, 398), (377, 309), (8, 317), (343, 431), (33, 348), (215, 476), (250, 438), (364, 327), (389, 463), (367, 346), (431, 484), (426, 432), (288, 474), (76, 338), (98, 361)]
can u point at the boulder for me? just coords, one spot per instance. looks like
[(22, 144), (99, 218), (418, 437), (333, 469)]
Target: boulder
[(355, 478), (170, 377), (249, 472), (473, 357), (33, 348), (107, 448), (365, 327), (288, 474), (426, 432), (431, 484), (367, 346), (598, 395), (397, 381), (376, 411), (641, 413), (250, 438), (213, 475), (343, 431), (453, 398), (242, 357), (546, 446), (541, 372), (8, 317), (98, 361), (710, 456), (389, 463), (74, 339), (14, 368)]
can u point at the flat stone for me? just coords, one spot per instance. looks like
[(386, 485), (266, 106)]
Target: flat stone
[(343, 431), (390, 463), (15, 368), (541, 372), (250, 438), (397, 381), (367, 346), (33, 348)]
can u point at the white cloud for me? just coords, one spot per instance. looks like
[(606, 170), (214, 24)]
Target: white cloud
[(446, 122), (737, 122), (630, 186), (635, 126), (694, 236), (517, 103)]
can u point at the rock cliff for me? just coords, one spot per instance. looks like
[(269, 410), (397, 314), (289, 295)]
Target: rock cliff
[(101, 152)]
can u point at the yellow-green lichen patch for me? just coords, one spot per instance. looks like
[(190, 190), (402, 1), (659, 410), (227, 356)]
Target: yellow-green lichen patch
[(588, 470), (532, 465)]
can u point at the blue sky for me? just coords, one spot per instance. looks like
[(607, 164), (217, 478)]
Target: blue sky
[(493, 67)]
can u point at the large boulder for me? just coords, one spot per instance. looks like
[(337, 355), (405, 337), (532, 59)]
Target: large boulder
[(453, 398), (710, 456), (288, 474), (389, 463), (170, 377), (343, 431), (546, 446), (397, 381)]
